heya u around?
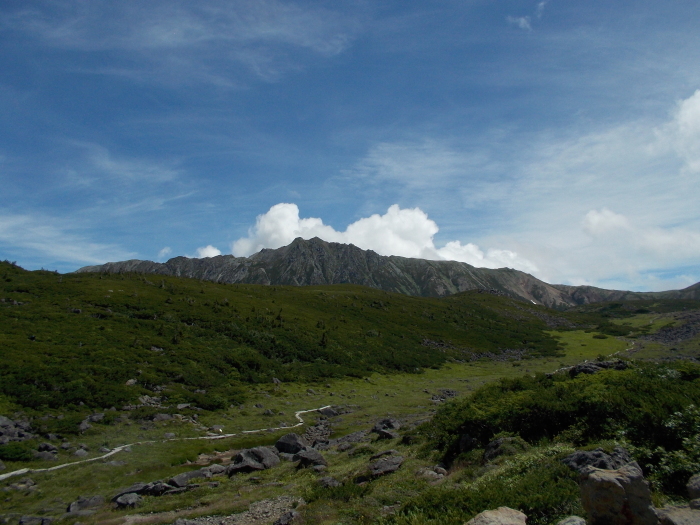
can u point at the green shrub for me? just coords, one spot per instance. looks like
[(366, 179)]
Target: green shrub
[(16, 451)]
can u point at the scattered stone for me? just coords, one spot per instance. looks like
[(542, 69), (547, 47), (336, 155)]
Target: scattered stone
[(572, 520), (182, 406), (81, 453), (84, 426), (291, 443), (47, 447), (500, 516), (217, 428), (597, 458), (617, 497), (116, 463), (258, 405), (504, 446), (34, 520), (161, 417), (269, 412), (52, 437), (429, 474), (104, 450), (329, 482), (95, 418), (83, 503), (66, 445), (276, 381), (128, 501), (169, 435), (133, 489), (319, 468), (131, 382), (252, 459), (309, 458), (345, 446), (385, 466)]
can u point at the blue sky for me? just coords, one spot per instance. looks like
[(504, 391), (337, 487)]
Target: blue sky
[(560, 138)]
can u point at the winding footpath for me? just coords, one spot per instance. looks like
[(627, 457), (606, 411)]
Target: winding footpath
[(122, 447)]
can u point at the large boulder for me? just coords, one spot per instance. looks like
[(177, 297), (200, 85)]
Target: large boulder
[(181, 480), (581, 459), (128, 501), (386, 465), (84, 503), (252, 459), (500, 516), (291, 443), (617, 497), (310, 458)]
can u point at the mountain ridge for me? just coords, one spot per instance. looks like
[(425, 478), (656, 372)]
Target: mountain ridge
[(317, 262)]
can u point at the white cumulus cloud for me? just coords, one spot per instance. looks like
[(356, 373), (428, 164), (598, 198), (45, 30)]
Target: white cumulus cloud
[(207, 251), (405, 232)]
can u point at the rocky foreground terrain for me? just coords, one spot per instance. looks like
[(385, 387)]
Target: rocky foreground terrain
[(316, 262)]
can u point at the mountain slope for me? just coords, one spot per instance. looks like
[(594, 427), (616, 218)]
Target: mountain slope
[(316, 262)]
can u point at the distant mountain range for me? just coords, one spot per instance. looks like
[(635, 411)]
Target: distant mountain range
[(316, 262)]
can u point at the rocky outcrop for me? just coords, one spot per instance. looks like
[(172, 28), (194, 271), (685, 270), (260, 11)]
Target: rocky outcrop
[(252, 459), (500, 516), (617, 497), (316, 262), (581, 459)]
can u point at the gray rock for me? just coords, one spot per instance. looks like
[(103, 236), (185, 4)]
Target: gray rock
[(34, 520), (288, 518), (572, 520), (83, 503), (104, 450), (215, 469), (252, 459), (162, 417), (291, 443), (128, 501), (66, 445), (182, 480), (94, 418), (329, 482), (384, 433), (384, 453), (46, 456), (81, 453), (169, 435), (328, 412), (182, 521), (597, 458), (2, 466), (693, 487), (385, 465), (695, 503), (386, 424), (133, 489), (310, 458), (47, 447), (158, 488), (84, 426), (617, 497), (217, 428), (500, 516), (678, 515)]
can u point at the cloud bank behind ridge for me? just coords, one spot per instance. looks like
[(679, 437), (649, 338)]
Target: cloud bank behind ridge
[(405, 232)]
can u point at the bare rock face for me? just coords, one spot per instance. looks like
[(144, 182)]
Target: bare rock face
[(617, 497), (500, 516)]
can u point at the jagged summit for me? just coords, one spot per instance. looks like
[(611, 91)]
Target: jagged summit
[(317, 262)]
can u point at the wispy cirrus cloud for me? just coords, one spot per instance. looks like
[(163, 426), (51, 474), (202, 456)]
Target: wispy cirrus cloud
[(179, 42), (53, 238)]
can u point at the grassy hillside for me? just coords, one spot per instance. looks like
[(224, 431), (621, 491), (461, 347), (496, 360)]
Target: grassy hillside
[(79, 338)]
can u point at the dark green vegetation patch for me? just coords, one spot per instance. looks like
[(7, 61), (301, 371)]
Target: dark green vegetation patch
[(104, 340)]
